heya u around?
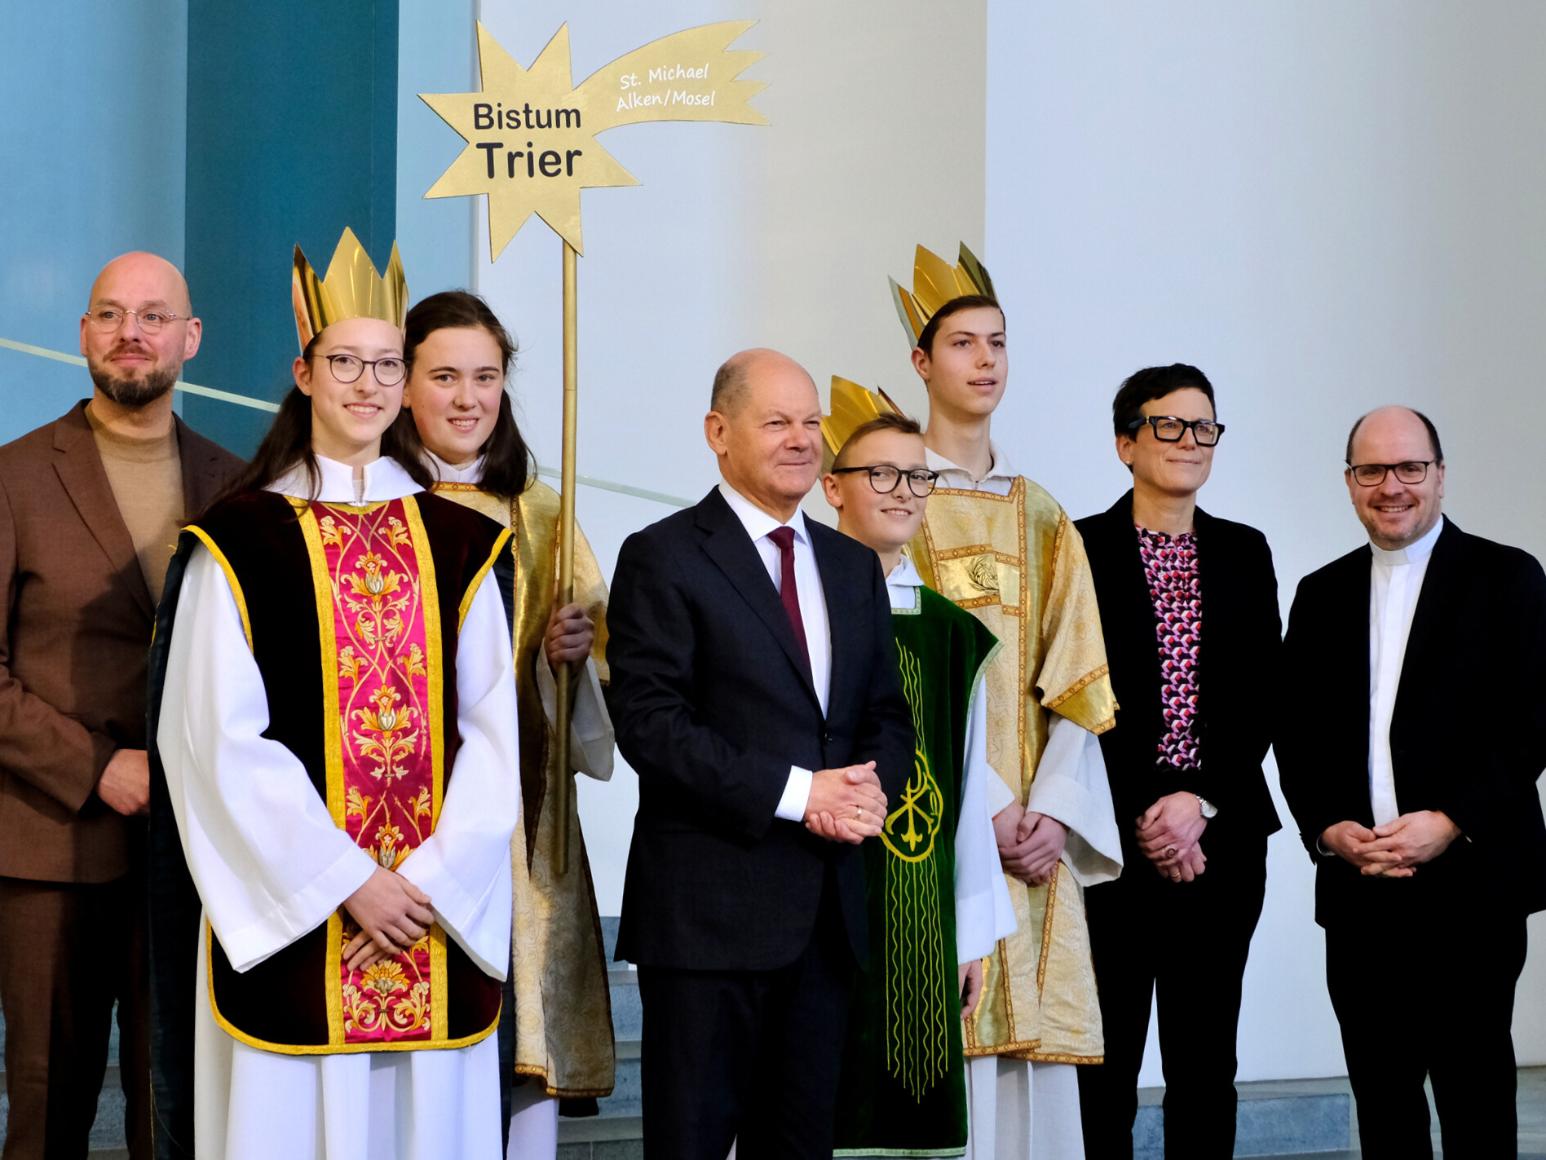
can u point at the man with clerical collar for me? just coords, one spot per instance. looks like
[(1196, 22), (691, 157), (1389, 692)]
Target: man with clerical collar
[(1001, 547), (93, 501), (1422, 818), (755, 691)]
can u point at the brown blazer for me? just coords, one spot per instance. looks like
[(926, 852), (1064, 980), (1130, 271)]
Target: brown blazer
[(72, 648)]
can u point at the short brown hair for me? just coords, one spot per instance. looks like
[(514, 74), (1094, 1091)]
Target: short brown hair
[(954, 306), (889, 421)]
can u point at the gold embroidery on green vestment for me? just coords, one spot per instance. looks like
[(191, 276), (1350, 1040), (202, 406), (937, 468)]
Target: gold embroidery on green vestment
[(917, 994)]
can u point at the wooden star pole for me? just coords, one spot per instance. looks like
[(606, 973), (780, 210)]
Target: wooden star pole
[(531, 148)]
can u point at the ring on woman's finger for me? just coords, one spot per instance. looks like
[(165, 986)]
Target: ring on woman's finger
[(1170, 852)]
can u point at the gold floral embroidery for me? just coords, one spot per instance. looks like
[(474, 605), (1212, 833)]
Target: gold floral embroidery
[(384, 977), (413, 664), (327, 528), (387, 734), (356, 804), (384, 705)]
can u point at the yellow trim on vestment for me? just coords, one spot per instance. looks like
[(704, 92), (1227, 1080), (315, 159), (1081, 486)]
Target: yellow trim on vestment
[(477, 580), (325, 598), (241, 1036), (230, 578)]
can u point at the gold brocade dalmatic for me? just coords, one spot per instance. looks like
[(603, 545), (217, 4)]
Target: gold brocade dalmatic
[(563, 1014), (1017, 563)]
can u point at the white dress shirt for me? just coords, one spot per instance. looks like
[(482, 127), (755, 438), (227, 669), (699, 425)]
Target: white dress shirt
[(1395, 582), (813, 614)]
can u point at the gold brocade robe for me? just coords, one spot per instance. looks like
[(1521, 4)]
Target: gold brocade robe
[(563, 1013), (1016, 562)]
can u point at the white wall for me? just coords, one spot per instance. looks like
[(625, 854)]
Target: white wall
[(779, 235), (1326, 206)]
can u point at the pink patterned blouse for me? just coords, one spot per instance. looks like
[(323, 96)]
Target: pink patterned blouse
[(1170, 568)]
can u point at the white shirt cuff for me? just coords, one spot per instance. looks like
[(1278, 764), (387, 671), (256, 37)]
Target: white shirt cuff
[(797, 794)]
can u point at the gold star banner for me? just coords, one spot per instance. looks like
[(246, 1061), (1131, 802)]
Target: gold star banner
[(531, 133)]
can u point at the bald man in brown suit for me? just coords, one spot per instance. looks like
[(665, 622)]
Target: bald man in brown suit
[(90, 505)]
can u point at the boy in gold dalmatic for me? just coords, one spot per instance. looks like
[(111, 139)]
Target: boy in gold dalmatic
[(999, 546)]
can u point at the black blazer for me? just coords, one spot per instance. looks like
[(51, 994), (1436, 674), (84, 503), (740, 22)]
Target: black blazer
[(712, 704), (1468, 735), (1238, 671)]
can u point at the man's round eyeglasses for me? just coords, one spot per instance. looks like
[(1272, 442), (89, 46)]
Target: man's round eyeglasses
[(347, 368), (110, 318), (1373, 474), (883, 477), (1169, 429)]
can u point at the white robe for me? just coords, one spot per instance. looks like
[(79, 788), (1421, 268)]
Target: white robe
[(270, 865)]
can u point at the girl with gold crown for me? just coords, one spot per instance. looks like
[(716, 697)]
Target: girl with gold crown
[(456, 409), (999, 546), (335, 731)]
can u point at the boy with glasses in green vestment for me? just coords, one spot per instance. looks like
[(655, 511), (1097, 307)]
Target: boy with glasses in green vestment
[(937, 898)]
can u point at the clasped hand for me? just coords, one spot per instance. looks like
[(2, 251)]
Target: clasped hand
[(1393, 849), (847, 804), (393, 914), (125, 782), (1168, 835), (1029, 844)]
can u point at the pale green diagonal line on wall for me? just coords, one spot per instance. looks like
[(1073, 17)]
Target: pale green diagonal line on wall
[(264, 405)]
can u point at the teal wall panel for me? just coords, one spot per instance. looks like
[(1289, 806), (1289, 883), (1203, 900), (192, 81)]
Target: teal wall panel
[(91, 165), (437, 54), (292, 135)]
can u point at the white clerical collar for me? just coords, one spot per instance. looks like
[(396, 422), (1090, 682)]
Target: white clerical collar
[(384, 479), (902, 585), (998, 466), (757, 522), (1414, 553), (469, 472)]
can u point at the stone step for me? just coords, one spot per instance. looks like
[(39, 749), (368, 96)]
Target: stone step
[(1298, 1118), (1274, 1118)]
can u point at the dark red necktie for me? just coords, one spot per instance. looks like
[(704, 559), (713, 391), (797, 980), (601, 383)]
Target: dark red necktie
[(788, 591)]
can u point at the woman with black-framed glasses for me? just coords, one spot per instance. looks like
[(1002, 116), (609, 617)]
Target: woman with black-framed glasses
[(1189, 609)]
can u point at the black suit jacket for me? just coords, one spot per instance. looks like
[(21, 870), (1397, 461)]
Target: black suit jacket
[(712, 704), (1238, 671), (1468, 736)]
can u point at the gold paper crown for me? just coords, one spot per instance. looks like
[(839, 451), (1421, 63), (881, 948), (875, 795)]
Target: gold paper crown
[(852, 408), (936, 282), (351, 289)]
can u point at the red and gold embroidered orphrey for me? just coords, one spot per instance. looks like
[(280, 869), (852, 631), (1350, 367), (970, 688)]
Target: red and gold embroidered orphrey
[(387, 735)]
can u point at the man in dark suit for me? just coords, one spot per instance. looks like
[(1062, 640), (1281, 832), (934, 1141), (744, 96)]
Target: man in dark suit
[(754, 688), (92, 502), (1416, 800)]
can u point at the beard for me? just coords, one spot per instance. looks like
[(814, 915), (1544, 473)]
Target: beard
[(133, 390)]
